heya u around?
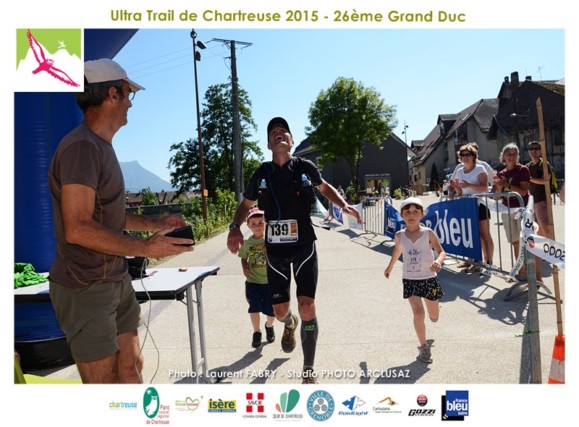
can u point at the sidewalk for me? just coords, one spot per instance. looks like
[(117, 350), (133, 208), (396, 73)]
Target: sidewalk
[(365, 326)]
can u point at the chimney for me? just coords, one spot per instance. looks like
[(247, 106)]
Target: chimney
[(529, 78), (514, 80)]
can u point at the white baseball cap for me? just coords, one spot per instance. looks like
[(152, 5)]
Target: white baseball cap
[(254, 212), (106, 70), (411, 201)]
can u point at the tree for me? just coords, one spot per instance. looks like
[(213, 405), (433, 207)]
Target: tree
[(217, 135), (345, 117), (148, 198)]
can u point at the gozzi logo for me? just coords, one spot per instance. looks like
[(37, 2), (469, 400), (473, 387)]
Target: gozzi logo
[(421, 400), (151, 403), (49, 60), (454, 405), (320, 405)]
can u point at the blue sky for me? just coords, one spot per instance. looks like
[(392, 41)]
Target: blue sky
[(422, 72)]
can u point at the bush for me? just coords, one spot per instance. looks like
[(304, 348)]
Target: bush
[(398, 194), (220, 210), (351, 194)]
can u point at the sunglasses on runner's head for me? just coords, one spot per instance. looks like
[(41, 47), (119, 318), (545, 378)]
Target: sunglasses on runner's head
[(467, 154)]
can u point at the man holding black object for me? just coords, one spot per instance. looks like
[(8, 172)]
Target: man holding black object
[(539, 193), (284, 189), (90, 287)]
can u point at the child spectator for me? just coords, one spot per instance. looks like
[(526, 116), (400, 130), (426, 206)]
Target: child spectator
[(253, 262), (419, 278)]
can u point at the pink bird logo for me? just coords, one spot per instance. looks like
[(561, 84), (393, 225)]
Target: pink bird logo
[(47, 64)]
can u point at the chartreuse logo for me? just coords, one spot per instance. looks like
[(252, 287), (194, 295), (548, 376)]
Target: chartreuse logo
[(151, 403)]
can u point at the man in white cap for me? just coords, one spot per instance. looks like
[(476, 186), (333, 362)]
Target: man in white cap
[(90, 287), (284, 190)]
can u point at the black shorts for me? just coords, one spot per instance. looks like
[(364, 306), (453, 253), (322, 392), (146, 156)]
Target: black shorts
[(483, 212), (425, 288), (304, 262)]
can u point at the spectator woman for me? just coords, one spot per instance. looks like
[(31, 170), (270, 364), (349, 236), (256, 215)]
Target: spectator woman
[(469, 180), (514, 178)]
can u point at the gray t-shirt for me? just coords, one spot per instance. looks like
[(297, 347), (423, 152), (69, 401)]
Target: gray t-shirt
[(82, 157)]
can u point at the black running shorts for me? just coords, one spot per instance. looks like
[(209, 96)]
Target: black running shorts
[(304, 262)]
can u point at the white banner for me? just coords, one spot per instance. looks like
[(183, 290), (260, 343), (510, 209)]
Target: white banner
[(542, 247), (352, 222), (528, 227), (496, 205), (319, 210), (547, 249)]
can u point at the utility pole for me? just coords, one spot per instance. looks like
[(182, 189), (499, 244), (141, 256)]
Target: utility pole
[(197, 57), (237, 150)]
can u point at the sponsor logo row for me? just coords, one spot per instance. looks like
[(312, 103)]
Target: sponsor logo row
[(319, 405)]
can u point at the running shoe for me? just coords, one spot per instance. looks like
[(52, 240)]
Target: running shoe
[(474, 269), (424, 355), (256, 341), (288, 340), (269, 333), (309, 376)]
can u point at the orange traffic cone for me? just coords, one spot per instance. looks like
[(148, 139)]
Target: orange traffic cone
[(557, 373)]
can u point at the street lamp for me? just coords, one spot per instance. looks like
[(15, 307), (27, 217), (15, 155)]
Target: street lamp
[(197, 57), (404, 132), (406, 143)]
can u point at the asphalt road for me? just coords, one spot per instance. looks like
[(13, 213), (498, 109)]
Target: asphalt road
[(366, 334)]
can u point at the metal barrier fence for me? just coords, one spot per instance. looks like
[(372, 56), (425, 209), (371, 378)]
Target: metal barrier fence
[(374, 211)]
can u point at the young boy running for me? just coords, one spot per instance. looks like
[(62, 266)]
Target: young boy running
[(416, 243), (253, 262)]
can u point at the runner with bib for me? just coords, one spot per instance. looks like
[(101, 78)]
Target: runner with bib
[(284, 190)]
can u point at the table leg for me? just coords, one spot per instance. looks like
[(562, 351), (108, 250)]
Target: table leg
[(203, 361), (192, 337)]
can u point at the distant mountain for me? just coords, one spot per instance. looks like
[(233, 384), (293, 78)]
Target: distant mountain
[(137, 178)]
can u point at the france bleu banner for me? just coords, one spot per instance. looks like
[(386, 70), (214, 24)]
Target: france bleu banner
[(337, 213), (392, 221), (455, 222)]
